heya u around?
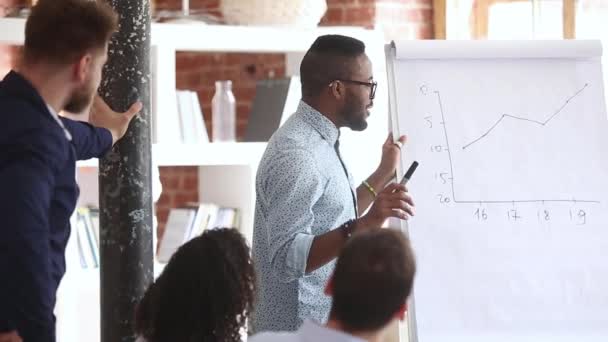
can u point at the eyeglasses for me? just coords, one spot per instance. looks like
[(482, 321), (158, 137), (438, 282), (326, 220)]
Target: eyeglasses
[(373, 85)]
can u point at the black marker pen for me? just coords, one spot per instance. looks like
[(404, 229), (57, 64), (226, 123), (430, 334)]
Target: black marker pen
[(409, 173)]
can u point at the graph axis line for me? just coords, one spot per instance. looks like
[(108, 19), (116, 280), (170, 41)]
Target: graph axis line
[(445, 131)]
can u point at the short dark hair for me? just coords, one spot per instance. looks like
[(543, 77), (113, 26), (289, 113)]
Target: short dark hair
[(205, 292), (373, 278), (60, 31), (329, 58)]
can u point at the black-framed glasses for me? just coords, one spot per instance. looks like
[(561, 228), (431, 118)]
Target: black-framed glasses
[(373, 85)]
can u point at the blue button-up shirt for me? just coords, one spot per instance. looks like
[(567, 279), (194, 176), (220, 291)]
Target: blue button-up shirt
[(302, 190)]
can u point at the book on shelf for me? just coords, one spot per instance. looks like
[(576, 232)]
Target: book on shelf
[(205, 216), (199, 119), (183, 123), (165, 116), (275, 100), (191, 220), (192, 124), (226, 218), (94, 214), (87, 237), (177, 230), (294, 95)]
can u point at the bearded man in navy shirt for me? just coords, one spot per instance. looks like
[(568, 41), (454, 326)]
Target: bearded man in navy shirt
[(66, 43)]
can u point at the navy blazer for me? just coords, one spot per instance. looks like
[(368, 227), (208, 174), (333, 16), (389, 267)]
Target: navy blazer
[(38, 194)]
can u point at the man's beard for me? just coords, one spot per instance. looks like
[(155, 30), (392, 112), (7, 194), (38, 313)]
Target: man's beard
[(355, 115), (80, 100)]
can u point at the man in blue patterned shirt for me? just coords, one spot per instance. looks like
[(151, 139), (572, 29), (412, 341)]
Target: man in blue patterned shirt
[(306, 202)]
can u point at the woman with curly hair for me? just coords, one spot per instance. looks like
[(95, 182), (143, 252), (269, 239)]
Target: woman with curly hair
[(205, 293)]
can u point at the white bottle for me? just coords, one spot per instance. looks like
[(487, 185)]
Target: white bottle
[(223, 111)]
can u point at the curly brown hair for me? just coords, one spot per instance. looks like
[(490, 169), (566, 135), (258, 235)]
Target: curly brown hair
[(205, 293)]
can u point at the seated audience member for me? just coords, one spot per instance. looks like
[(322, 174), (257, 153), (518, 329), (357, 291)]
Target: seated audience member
[(205, 292), (369, 289)]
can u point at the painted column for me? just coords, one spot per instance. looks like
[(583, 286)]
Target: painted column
[(125, 195)]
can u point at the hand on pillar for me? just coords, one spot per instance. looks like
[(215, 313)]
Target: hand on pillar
[(102, 115)]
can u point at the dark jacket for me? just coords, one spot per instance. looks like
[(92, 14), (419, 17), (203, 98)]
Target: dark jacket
[(38, 193)]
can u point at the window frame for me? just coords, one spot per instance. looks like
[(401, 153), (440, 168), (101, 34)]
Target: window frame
[(479, 29)]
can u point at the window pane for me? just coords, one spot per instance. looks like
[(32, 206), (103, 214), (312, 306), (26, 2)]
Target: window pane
[(510, 20), (592, 19), (540, 19), (504, 19), (459, 19), (549, 19)]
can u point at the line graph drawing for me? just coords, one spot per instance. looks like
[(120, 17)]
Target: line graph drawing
[(451, 178), (536, 122)]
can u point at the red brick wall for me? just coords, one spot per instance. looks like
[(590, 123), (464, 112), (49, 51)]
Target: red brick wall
[(7, 5), (180, 185), (7, 58), (405, 19), (8, 54), (350, 12), (199, 71)]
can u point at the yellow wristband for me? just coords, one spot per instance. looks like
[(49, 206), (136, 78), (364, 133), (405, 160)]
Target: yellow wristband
[(370, 188)]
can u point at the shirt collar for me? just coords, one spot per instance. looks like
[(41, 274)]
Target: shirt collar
[(315, 332), (55, 116), (15, 85), (319, 122)]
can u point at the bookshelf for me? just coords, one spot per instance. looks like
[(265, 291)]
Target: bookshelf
[(226, 170)]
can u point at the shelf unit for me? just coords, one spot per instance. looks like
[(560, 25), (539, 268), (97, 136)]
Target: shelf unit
[(226, 170), (206, 154)]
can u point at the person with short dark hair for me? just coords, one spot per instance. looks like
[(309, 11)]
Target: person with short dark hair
[(65, 48), (205, 293), (307, 205), (372, 280)]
